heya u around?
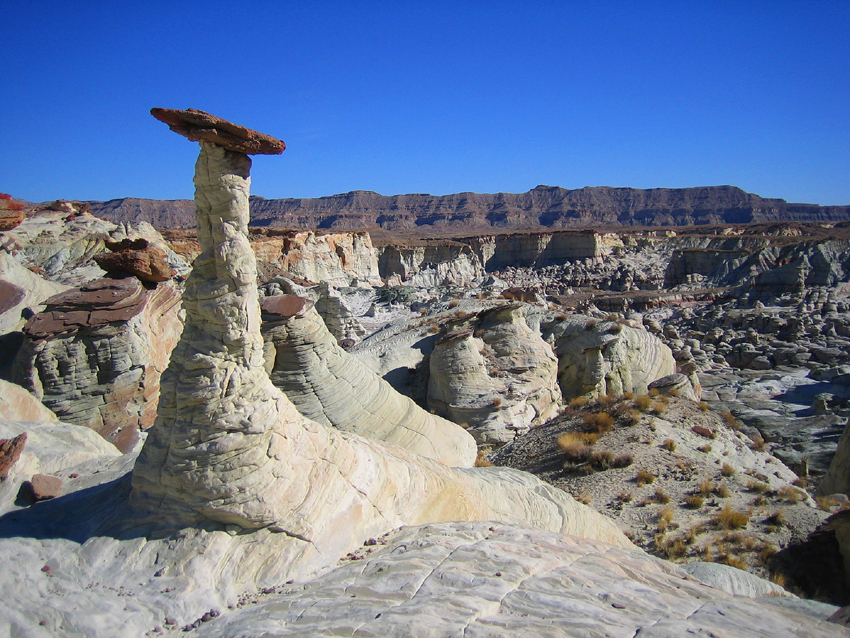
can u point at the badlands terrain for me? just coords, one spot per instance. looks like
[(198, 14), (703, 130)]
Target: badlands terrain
[(235, 430)]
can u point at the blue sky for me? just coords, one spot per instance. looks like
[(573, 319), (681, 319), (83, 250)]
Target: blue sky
[(431, 97)]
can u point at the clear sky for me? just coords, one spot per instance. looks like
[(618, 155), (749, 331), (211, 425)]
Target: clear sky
[(431, 97)]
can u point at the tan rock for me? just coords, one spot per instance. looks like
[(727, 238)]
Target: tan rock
[(16, 404), (333, 388), (10, 452), (837, 477)]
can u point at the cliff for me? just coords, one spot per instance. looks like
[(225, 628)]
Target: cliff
[(548, 206)]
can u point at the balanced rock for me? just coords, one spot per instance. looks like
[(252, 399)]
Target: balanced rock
[(331, 387), (494, 373), (95, 354), (201, 126)]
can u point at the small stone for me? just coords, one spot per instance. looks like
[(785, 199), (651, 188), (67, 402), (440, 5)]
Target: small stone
[(498, 574), (618, 605), (43, 487), (74, 475), (46, 569), (370, 542), (206, 617), (702, 431), (170, 621)]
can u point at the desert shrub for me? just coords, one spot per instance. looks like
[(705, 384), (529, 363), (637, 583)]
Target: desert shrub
[(454, 303), (643, 402), (590, 325), (693, 532), (777, 519), (633, 417), (616, 328), (599, 421), (675, 549), (800, 482), (627, 396), (757, 486), (584, 498), (434, 328), (757, 443), (659, 407), (605, 399), (706, 487), (481, 461), (561, 317), (669, 445), (791, 494), (464, 425), (654, 392), (727, 470), (661, 497), (497, 401), (625, 497), (722, 490), (568, 439), (695, 501), (766, 552), (704, 448), (735, 561), (622, 460), (727, 518), (578, 402), (480, 333), (644, 477), (759, 500), (704, 406), (664, 517), (602, 459)]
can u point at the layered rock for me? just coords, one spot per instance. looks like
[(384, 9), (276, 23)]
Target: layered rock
[(837, 477), (228, 447), (331, 387), (606, 357), (431, 264), (94, 355), (21, 291), (494, 373), (339, 319), (136, 257)]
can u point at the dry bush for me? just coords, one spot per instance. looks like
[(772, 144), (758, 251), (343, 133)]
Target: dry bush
[(454, 303), (659, 407), (605, 399), (627, 396), (705, 449), (599, 421), (568, 439), (561, 317), (757, 486), (800, 482), (434, 328), (654, 392), (791, 494), (622, 460), (661, 497), (757, 443), (602, 459), (590, 325), (766, 552), (777, 519), (644, 477), (464, 425), (675, 549), (664, 517), (695, 501), (616, 328), (578, 402), (633, 417), (706, 487), (704, 406), (735, 561), (759, 500), (728, 417), (722, 490), (497, 401), (625, 497), (643, 403), (585, 498), (691, 534), (727, 470), (669, 445), (480, 461), (728, 519)]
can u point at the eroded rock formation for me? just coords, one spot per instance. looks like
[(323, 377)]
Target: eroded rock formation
[(494, 373), (229, 447), (606, 357), (333, 388), (95, 354)]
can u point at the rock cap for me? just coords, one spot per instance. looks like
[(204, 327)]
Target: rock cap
[(200, 126)]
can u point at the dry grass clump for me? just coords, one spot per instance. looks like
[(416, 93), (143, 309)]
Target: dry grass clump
[(643, 403), (757, 486), (828, 503), (728, 519), (730, 419), (561, 317), (759, 501), (674, 549), (777, 519), (654, 392), (707, 488), (623, 460), (497, 401), (435, 328), (704, 406), (705, 449), (791, 494), (669, 445), (480, 461), (693, 532), (659, 407), (605, 399), (722, 490), (727, 470), (616, 328), (661, 497), (633, 417), (584, 498), (625, 497), (695, 501), (644, 477), (599, 421), (454, 303), (664, 517), (590, 325), (578, 402), (757, 443), (735, 561), (627, 396)]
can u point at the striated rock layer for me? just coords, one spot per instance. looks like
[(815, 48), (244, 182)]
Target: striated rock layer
[(333, 388), (229, 447), (94, 355)]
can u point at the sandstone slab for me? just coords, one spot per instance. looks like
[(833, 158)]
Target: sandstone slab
[(199, 126)]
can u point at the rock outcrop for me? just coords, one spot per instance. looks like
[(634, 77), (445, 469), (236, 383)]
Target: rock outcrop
[(331, 387), (94, 355), (136, 257), (494, 373), (606, 357), (837, 477), (230, 448), (21, 291)]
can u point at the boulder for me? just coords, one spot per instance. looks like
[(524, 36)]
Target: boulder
[(331, 387), (494, 373), (42, 487), (136, 257), (94, 355), (10, 452)]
